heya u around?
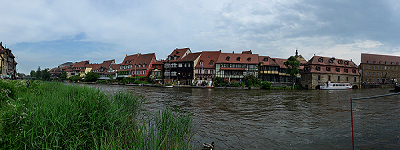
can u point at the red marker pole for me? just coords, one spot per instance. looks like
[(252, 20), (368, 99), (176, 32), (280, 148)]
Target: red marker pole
[(352, 131)]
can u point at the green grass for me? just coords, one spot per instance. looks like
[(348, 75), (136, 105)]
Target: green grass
[(56, 116)]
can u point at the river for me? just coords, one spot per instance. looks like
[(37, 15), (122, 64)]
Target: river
[(279, 119)]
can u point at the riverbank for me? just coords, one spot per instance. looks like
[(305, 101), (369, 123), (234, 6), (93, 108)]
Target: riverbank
[(51, 115)]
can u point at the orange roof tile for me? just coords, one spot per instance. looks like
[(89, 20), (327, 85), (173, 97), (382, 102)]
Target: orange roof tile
[(208, 59), (238, 58)]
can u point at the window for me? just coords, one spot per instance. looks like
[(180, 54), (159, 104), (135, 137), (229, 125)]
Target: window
[(205, 71), (374, 62), (328, 68), (227, 58), (201, 63), (355, 79), (337, 69), (199, 71), (265, 59), (347, 78), (346, 62), (318, 68), (211, 71), (331, 60), (249, 59), (391, 63), (367, 61), (238, 58), (340, 61), (320, 59), (211, 62), (346, 70), (329, 78), (319, 77), (380, 62), (354, 71), (385, 62), (338, 78)]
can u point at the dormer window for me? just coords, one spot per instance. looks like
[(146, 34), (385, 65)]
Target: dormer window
[(346, 62), (265, 59), (374, 62), (380, 62), (331, 60), (337, 69), (201, 63), (340, 61), (211, 63), (346, 70), (318, 68), (227, 58), (238, 58), (320, 59), (249, 59), (385, 62), (144, 65), (328, 68), (367, 61), (391, 63), (354, 71)]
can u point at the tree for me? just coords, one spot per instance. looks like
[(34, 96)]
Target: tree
[(38, 74), (45, 75), (63, 75), (33, 73), (91, 77), (292, 65)]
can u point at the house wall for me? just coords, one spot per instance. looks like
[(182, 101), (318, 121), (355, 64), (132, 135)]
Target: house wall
[(378, 73), (314, 80)]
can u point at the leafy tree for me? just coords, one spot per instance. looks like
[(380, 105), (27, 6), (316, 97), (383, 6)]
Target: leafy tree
[(74, 78), (292, 65), (33, 73), (45, 75), (91, 77), (38, 73), (252, 80), (63, 75)]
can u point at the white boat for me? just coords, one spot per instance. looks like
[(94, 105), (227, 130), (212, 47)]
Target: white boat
[(336, 86)]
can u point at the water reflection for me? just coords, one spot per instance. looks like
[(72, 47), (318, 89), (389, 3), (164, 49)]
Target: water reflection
[(263, 119)]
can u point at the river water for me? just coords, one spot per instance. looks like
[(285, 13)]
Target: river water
[(280, 119)]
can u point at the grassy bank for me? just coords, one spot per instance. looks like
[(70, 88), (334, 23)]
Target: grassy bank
[(57, 116)]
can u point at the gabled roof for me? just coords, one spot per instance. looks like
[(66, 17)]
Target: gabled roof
[(280, 62), (138, 59), (207, 57), (107, 63), (379, 59), (233, 58), (330, 61), (190, 57), (178, 53), (96, 66), (267, 61)]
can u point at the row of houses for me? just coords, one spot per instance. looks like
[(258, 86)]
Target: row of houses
[(8, 65), (185, 67)]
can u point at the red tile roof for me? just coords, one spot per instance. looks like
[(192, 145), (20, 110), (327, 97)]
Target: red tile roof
[(330, 61), (267, 61), (280, 62), (190, 57), (238, 58), (178, 53), (207, 57), (379, 59)]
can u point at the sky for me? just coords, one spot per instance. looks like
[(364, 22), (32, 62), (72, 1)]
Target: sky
[(48, 33)]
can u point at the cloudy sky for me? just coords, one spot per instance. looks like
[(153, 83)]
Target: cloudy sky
[(49, 33)]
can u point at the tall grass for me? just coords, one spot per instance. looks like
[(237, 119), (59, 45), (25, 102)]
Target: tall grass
[(57, 116)]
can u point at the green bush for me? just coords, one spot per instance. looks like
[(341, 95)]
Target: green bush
[(266, 85)]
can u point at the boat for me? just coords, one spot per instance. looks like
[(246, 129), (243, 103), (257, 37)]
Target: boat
[(336, 86), (397, 88)]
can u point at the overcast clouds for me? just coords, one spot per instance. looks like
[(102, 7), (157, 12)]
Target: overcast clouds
[(48, 33)]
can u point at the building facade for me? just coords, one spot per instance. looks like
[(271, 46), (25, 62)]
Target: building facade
[(319, 70), (171, 64), (205, 67), (379, 68), (8, 65), (234, 67)]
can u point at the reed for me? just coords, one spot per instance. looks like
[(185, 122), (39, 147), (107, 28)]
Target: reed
[(51, 115)]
